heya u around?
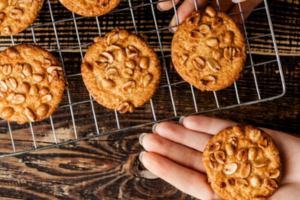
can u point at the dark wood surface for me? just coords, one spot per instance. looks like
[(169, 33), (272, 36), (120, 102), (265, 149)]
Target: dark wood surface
[(107, 167), (285, 17)]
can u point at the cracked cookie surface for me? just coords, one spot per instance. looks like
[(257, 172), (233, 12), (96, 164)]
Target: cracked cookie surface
[(90, 8), (242, 163), (17, 15), (121, 71), (209, 50), (31, 83)]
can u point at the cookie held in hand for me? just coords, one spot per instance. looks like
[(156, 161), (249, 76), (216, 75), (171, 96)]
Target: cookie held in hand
[(242, 163), (209, 50), (121, 71)]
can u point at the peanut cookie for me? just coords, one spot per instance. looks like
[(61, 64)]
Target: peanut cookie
[(31, 84), (208, 50), (90, 8), (242, 163), (17, 15), (121, 71)]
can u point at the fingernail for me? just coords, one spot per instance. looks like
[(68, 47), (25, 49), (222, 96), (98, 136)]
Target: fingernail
[(141, 138), (171, 30), (238, 1), (154, 127), (171, 24), (181, 120), (141, 155), (159, 8)]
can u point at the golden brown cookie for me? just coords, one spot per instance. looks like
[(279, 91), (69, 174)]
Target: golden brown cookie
[(121, 71), (209, 50), (90, 8), (242, 163), (17, 15), (31, 83)]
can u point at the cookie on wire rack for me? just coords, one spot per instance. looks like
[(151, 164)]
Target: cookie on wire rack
[(121, 71), (90, 8), (31, 83), (17, 15), (242, 163), (209, 50)]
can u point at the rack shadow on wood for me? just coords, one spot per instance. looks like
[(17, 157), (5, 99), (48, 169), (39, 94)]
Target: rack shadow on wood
[(79, 117)]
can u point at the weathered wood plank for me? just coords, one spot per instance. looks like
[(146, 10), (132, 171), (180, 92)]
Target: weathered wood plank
[(105, 167), (284, 13)]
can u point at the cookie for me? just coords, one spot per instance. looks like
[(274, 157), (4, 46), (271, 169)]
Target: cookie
[(90, 8), (242, 163), (121, 71), (209, 50), (31, 83), (17, 15)]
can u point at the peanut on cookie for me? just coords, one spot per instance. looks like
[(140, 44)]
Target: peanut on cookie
[(121, 71), (90, 8), (31, 83), (242, 163), (17, 15), (209, 50)]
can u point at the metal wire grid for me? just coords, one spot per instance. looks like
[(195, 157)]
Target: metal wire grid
[(168, 85)]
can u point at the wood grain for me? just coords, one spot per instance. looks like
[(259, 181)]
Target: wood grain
[(96, 169), (107, 167), (284, 13)]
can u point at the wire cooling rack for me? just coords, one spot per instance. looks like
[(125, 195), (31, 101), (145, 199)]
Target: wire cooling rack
[(64, 128)]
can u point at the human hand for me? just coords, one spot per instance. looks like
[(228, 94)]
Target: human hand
[(188, 6), (175, 155)]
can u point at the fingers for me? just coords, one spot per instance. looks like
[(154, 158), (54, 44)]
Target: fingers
[(186, 8), (195, 134), (205, 124), (225, 5), (247, 5), (166, 5), (181, 135), (287, 191), (184, 179), (181, 155)]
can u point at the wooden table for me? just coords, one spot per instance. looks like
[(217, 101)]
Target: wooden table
[(107, 167)]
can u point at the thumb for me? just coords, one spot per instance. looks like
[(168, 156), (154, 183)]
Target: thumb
[(248, 5)]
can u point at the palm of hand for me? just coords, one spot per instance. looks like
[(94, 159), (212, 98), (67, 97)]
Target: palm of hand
[(175, 155), (289, 147)]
